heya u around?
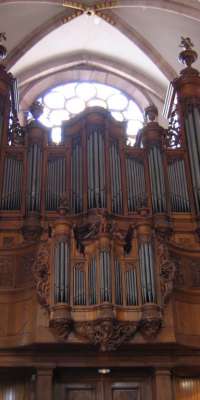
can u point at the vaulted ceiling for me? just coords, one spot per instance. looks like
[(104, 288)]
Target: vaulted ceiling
[(132, 43)]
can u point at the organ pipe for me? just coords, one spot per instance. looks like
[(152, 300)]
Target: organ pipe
[(116, 185), (192, 125), (92, 284), (96, 169), (76, 177), (118, 282), (12, 184), (179, 197), (157, 179), (79, 285), (146, 262), (131, 286), (135, 184), (62, 272), (34, 177), (105, 276), (56, 182)]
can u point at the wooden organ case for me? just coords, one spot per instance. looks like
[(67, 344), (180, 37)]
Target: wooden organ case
[(99, 249)]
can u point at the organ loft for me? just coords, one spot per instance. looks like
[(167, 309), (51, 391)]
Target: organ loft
[(100, 251)]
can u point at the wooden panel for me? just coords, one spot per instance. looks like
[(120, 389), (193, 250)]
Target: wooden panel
[(125, 391), (79, 392), (125, 394)]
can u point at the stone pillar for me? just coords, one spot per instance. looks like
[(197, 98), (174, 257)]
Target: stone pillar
[(44, 384), (163, 385)]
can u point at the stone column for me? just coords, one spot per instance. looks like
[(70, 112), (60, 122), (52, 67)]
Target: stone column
[(44, 384), (163, 385)]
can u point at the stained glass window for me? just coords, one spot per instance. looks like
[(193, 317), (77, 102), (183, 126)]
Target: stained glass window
[(63, 102)]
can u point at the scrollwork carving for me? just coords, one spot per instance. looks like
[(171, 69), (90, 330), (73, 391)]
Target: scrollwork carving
[(107, 334), (61, 327), (168, 270), (151, 321), (41, 274)]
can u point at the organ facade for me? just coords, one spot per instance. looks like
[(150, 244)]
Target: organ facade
[(99, 251)]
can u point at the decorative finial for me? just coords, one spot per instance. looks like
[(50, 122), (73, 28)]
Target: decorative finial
[(186, 43), (151, 113), (3, 50), (36, 109), (188, 56)]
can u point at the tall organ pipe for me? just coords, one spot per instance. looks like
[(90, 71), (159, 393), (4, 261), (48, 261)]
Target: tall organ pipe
[(34, 177), (118, 282), (96, 169), (192, 125), (178, 187), (92, 284), (56, 182), (12, 184), (135, 184), (76, 177), (146, 262), (116, 185), (79, 285), (157, 179), (62, 272), (105, 276), (131, 286)]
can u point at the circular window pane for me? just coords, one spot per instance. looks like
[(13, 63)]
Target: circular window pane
[(133, 111), (97, 103), (54, 100), (75, 105), (86, 91), (133, 127), (118, 116), (103, 91), (117, 102), (44, 118), (68, 90), (57, 116)]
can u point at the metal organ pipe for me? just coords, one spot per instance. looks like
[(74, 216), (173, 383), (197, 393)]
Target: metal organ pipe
[(96, 169), (92, 276), (76, 177), (116, 186), (56, 182), (131, 286), (62, 272), (157, 179), (178, 187), (118, 282), (34, 177), (105, 276), (146, 262), (12, 184), (192, 131), (79, 285), (135, 184)]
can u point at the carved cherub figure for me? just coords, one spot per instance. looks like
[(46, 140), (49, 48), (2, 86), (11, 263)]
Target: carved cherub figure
[(186, 43)]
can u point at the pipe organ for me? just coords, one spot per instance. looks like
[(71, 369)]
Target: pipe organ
[(99, 240)]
